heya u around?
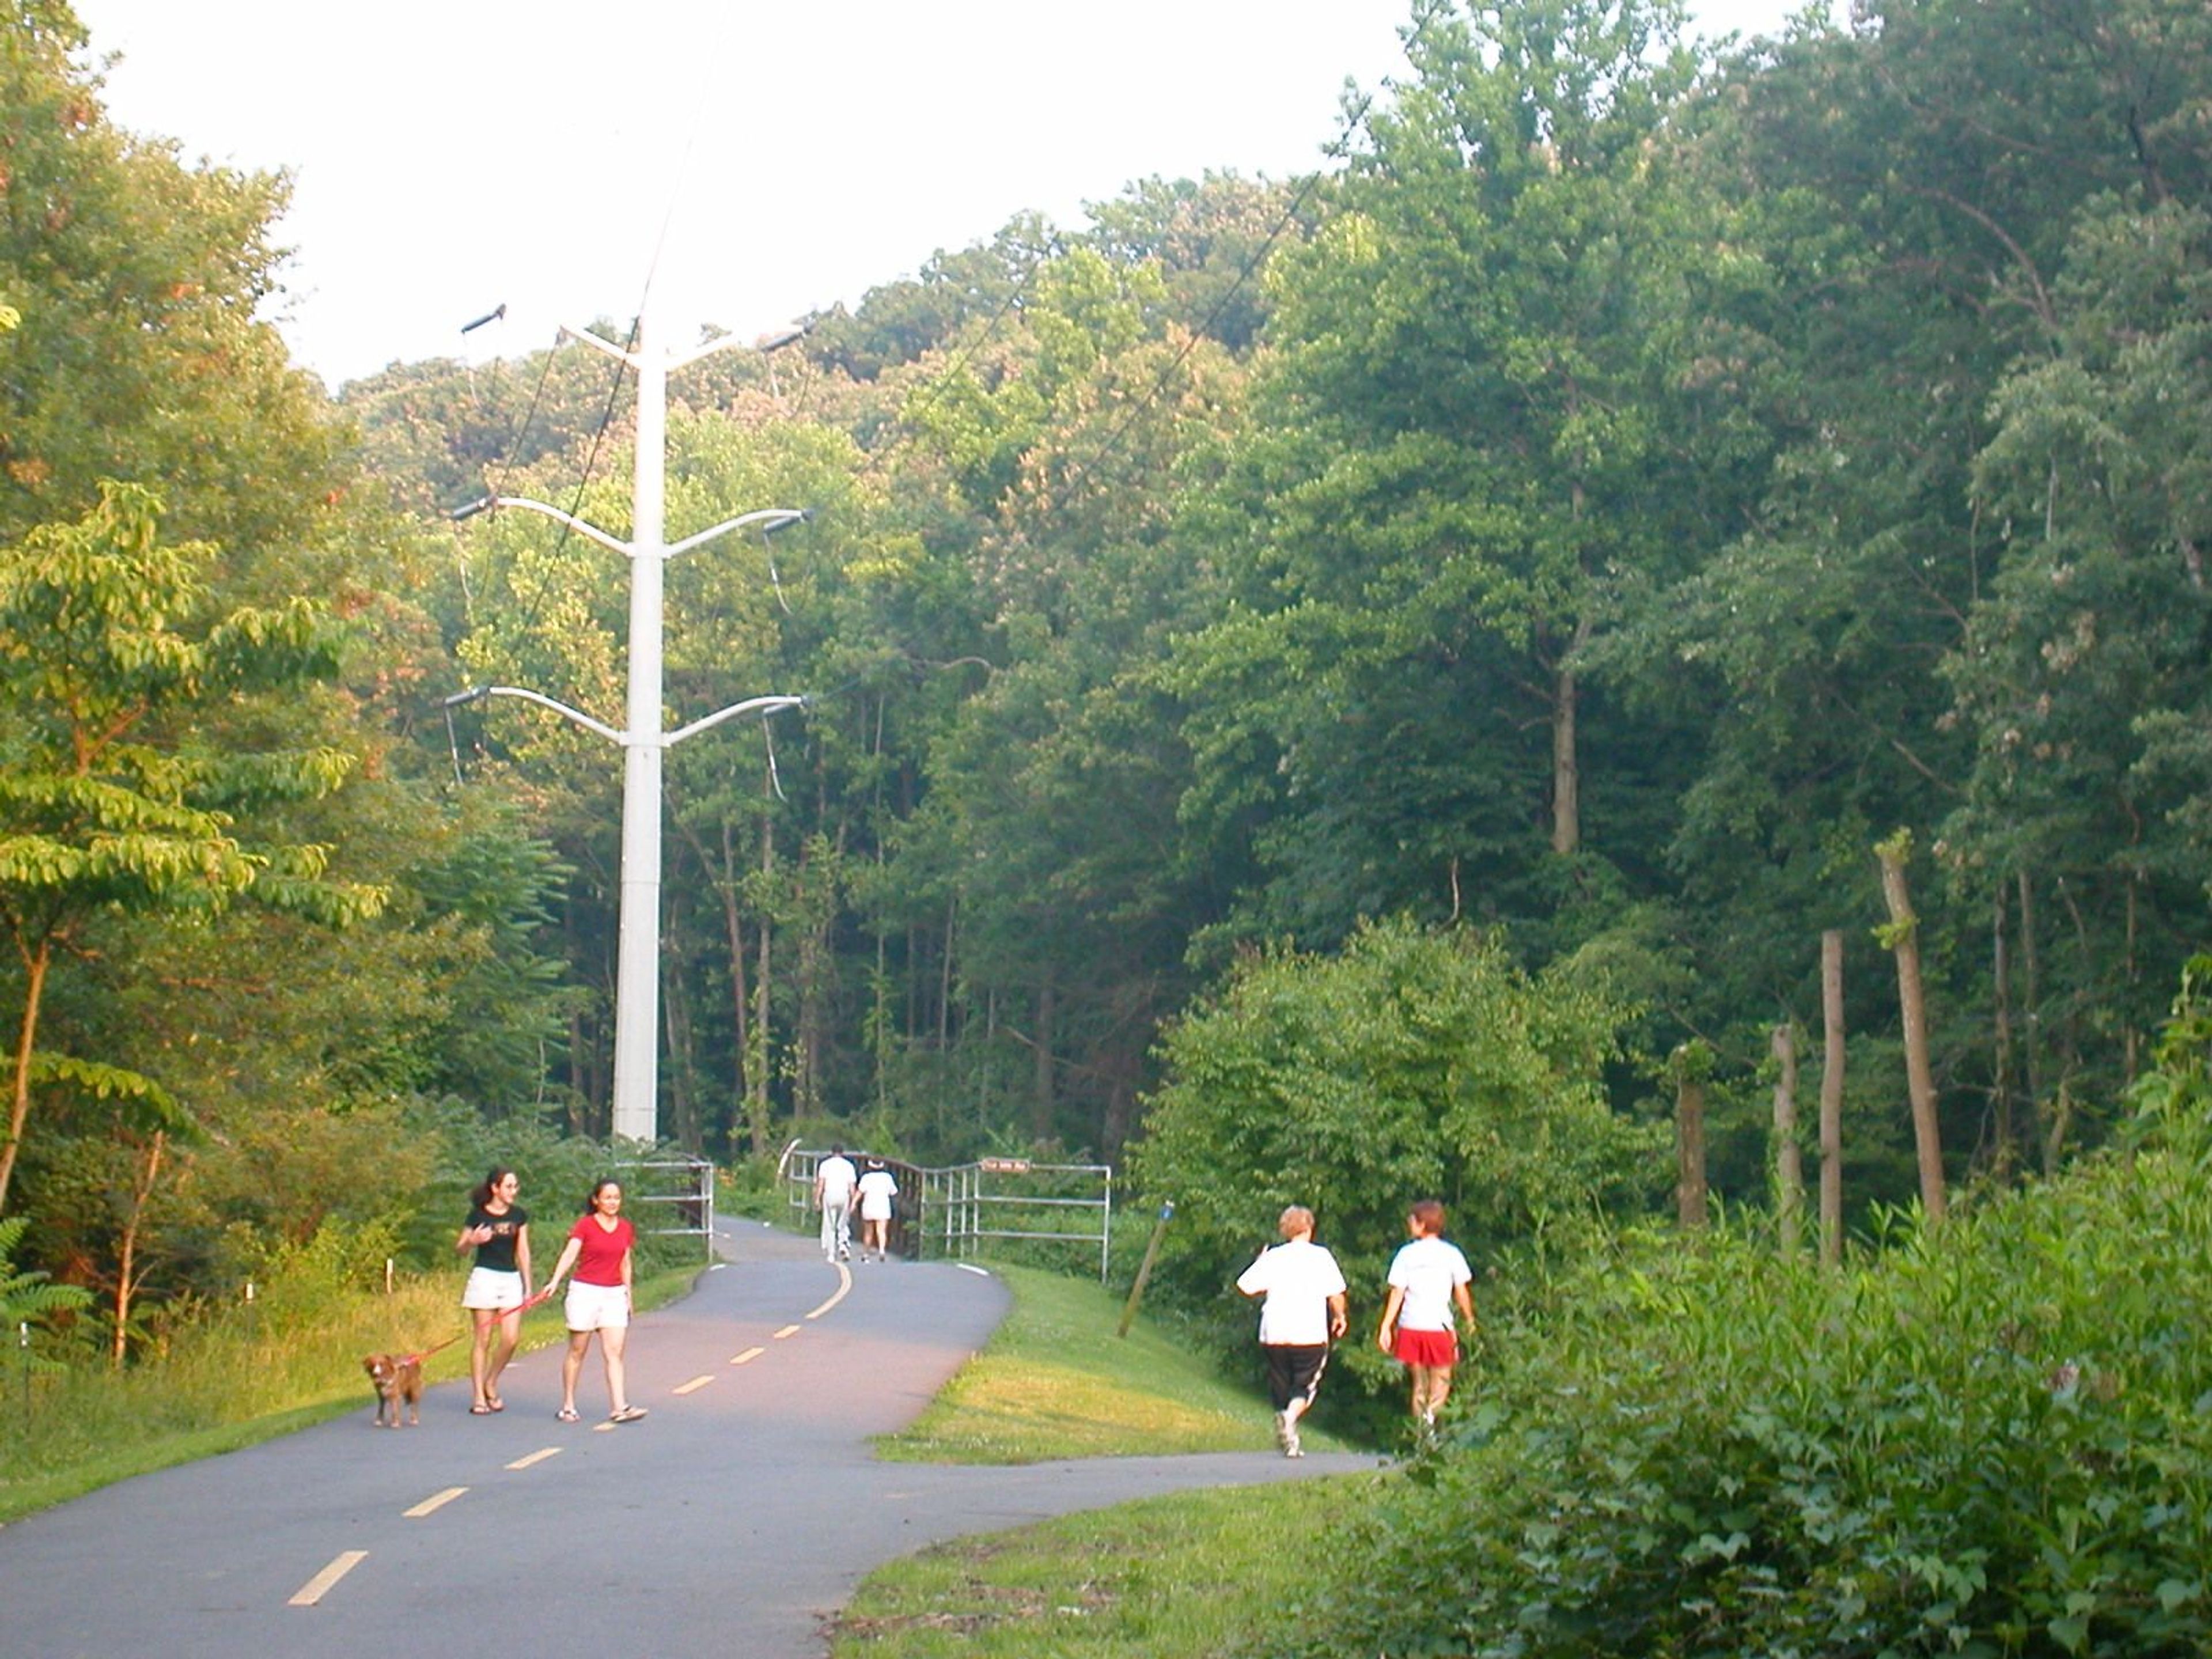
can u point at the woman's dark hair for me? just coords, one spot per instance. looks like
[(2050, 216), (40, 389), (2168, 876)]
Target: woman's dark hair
[(482, 1196), (599, 1187)]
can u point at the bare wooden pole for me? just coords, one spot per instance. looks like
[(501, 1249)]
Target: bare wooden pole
[(1832, 1098), (1903, 937), (1789, 1158), (1689, 1139), (1144, 1268)]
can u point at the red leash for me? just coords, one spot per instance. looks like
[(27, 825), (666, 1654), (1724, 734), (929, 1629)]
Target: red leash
[(417, 1359), (523, 1306)]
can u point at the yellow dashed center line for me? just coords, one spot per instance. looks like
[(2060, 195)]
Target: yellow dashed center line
[(603, 1428), (315, 1589), (434, 1501), (538, 1456), (844, 1289), (789, 1330), (693, 1386), (748, 1356)]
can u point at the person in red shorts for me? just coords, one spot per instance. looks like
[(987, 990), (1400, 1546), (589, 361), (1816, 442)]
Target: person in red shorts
[(599, 1248), (1427, 1277)]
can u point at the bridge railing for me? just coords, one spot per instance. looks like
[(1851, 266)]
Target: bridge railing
[(953, 1212)]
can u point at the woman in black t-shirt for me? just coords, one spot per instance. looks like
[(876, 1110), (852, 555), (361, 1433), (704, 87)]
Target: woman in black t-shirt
[(498, 1229)]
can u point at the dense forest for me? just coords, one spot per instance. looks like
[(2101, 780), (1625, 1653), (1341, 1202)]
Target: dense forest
[(1526, 568)]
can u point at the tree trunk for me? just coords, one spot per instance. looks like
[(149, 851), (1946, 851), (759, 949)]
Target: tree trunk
[(1566, 774), (682, 1074), (1788, 1161), (127, 1278), (1690, 1150), (2031, 998), (1904, 939), (1566, 762), (1831, 1099), (734, 925), (757, 1059), (944, 980), (2004, 1128), (36, 958), (1043, 1107), (2130, 1037)]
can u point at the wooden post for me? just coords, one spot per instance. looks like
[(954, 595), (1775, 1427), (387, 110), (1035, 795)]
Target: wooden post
[(1144, 1268), (1831, 1099), (1903, 937), (1689, 1137), (1789, 1160)]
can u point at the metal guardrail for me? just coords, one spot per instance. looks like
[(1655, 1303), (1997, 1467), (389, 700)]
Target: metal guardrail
[(680, 1193), (948, 1213)]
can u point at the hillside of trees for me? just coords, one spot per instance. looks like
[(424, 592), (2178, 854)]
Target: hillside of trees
[(1561, 539)]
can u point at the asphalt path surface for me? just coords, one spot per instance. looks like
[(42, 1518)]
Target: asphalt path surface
[(734, 1519)]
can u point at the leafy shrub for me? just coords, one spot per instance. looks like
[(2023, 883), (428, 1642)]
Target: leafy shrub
[(1413, 1064), (1991, 1440)]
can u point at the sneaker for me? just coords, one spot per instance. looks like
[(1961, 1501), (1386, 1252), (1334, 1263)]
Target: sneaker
[(1290, 1446), (1283, 1430)]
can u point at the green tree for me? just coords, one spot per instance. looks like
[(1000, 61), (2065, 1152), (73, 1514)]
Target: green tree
[(1413, 1064), (110, 798), (1499, 406), (142, 352), (2083, 661)]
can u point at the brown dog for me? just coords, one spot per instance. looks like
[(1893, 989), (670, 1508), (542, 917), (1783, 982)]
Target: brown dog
[(398, 1380)]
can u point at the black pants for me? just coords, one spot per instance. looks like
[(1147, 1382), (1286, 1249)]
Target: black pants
[(1294, 1371)]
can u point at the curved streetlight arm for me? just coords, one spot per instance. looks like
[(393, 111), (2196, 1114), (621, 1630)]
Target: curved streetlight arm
[(478, 693), (770, 519), (584, 335), (774, 340), (590, 532), (749, 706)]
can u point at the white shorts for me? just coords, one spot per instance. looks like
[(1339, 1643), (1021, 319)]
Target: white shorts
[(491, 1288), (597, 1307)]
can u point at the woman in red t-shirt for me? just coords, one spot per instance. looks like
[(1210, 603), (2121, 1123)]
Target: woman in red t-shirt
[(600, 1249)]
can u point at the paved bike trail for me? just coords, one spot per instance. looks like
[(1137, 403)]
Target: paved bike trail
[(734, 1519)]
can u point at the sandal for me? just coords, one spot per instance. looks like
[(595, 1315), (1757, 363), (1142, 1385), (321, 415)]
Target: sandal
[(628, 1414), (493, 1402), (567, 1414), (480, 1409)]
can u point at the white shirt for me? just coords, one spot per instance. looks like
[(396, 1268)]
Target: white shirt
[(878, 1189), (1297, 1279), (1426, 1270), (836, 1178)]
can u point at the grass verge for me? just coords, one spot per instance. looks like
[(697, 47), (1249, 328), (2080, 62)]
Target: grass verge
[(1053, 1381), (1201, 1574)]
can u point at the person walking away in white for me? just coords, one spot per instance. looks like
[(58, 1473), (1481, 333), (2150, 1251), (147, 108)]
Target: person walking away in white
[(1427, 1277), (1302, 1311), (835, 1178), (877, 1188)]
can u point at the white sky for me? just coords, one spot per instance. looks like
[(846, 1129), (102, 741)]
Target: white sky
[(452, 156)]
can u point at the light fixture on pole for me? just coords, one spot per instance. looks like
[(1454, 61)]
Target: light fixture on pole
[(637, 967)]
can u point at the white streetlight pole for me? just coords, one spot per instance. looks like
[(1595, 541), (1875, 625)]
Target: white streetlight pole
[(637, 964)]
